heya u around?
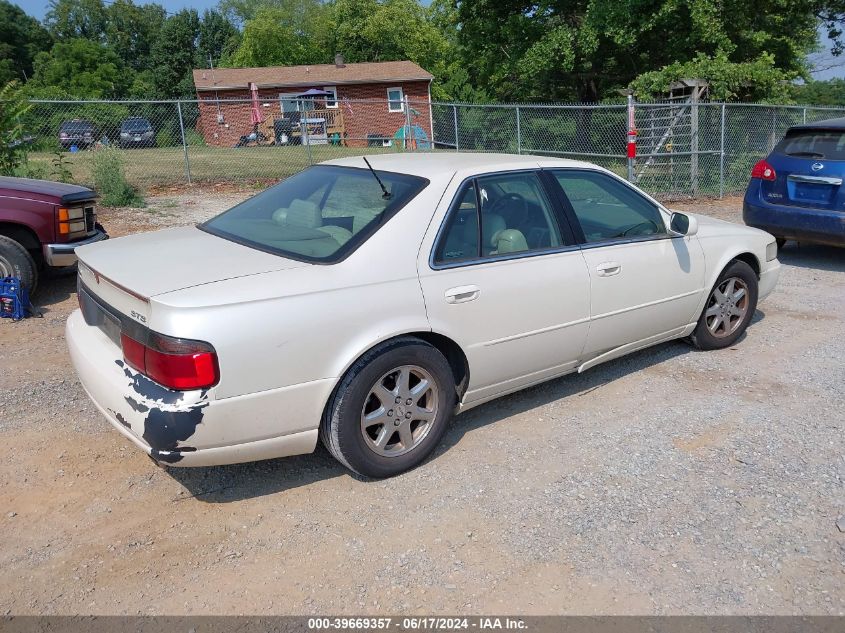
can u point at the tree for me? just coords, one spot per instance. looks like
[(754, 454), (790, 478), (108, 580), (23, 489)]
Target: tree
[(217, 37), (21, 39), (13, 108), (130, 31), (585, 49), (272, 39), (81, 68), (84, 19), (825, 93), (173, 55)]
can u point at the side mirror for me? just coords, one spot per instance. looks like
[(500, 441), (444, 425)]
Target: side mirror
[(683, 224)]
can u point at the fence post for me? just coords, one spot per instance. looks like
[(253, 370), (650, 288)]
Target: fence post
[(304, 124), (455, 117), (803, 115), (722, 156), (518, 132), (631, 138), (184, 143)]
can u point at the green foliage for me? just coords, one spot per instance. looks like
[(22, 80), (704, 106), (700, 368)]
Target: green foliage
[(81, 68), (13, 109), (758, 80), (271, 39), (59, 167), (827, 93), (110, 180), (586, 49), (173, 55), (21, 39)]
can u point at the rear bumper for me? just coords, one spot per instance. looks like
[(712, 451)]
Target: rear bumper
[(192, 428), (65, 254), (796, 223)]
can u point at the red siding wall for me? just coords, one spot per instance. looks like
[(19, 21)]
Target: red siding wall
[(364, 111)]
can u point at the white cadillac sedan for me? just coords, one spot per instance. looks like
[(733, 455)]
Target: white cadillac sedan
[(364, 303)]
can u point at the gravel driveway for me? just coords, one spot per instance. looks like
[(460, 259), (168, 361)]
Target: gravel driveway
[(669, 482)]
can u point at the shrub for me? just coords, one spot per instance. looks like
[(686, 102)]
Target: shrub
[(13, 148), (110, 180)]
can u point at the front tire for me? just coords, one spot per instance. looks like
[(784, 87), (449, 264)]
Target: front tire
[(15, 261), (391, 408), (729, 308)]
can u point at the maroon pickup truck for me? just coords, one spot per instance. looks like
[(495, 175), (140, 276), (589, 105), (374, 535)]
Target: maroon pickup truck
[(41, 224)]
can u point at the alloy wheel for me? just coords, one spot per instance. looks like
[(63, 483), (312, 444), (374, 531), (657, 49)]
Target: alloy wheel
[(399, 411), (727, 307)]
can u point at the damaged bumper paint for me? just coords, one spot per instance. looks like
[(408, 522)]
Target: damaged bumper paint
[(190, 428)]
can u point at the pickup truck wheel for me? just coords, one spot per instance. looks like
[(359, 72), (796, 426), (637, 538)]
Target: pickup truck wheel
[(15, 261)]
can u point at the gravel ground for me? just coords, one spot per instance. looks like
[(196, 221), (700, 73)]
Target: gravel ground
[(668, 482)]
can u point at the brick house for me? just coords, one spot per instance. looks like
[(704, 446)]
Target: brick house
[(363, 103)]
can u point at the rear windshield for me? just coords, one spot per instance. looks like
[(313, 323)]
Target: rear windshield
[(828, 144), (77, 126), (136, 125), (321, 214)]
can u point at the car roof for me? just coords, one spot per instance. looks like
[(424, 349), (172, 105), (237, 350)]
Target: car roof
[(427, 164), (827, 124)]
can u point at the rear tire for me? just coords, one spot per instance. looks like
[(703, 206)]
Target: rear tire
[(15, 261), (391, 408), (729, 308)]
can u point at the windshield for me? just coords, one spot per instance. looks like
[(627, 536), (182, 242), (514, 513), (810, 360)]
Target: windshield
[(136, 125), (77, 127), (320, 214), (829, 144)]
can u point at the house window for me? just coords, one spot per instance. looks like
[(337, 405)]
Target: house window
[(331, 101), (395, 100), (290, 102)]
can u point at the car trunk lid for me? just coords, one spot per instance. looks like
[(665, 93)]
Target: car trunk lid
[(134, 268), (809, 165)]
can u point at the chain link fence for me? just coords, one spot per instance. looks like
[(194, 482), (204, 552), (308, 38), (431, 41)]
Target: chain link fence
[(682, 149)]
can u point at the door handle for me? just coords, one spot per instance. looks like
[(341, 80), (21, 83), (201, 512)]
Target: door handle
[(608, 268), (462, 294)]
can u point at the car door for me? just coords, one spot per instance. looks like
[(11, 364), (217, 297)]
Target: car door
[(645, 283), (504, 278)]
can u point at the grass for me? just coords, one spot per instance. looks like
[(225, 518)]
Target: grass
[(157, 167)]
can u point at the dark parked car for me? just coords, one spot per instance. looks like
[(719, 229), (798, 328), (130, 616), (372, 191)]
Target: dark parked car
[(77, 132), (797, 192), (41, 225), (137, 132)]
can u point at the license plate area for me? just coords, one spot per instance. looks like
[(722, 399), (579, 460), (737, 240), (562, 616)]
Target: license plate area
[(99, 315)]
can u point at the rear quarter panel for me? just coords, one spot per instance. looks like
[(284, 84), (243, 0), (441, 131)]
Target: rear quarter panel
[(311, 323)]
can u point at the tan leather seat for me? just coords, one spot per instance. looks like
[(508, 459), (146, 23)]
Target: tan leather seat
[(509, 241), (302, 213)]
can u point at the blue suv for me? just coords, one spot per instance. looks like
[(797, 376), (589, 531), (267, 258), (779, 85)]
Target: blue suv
[(796, 192)]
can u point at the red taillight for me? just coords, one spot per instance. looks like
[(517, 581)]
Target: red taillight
[(763, 171), (173, 362)]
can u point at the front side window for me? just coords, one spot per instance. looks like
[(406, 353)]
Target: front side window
[(331, 99), (608, 209), (395, 100), (514, 217), (320, 214)]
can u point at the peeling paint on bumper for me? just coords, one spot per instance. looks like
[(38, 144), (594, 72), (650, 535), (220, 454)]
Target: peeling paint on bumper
[(192, 428)]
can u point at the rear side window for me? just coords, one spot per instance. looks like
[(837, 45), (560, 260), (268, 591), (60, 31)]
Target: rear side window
[(827, 144), (514, 217)]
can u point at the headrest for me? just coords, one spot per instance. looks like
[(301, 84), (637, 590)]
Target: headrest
[(510, 241)]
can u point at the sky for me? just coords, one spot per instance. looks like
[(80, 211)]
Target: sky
[(827, 66)]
